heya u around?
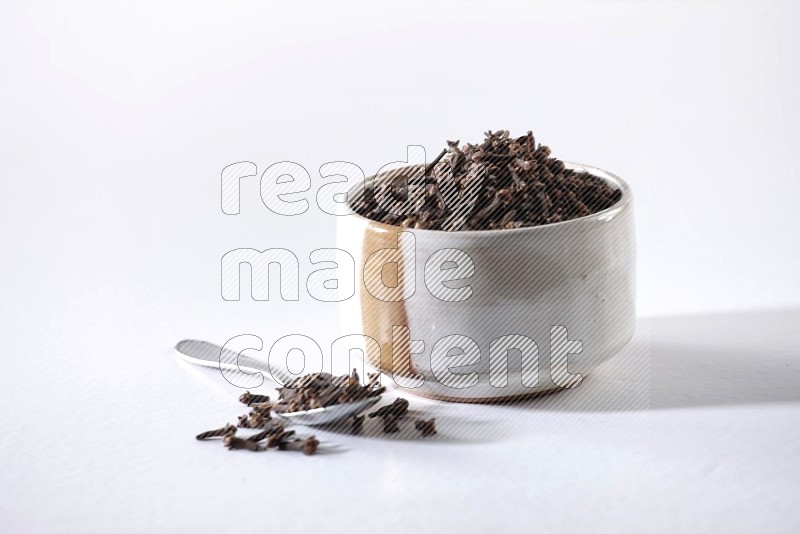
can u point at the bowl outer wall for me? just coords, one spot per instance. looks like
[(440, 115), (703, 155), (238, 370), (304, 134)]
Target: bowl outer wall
[(579, 274)]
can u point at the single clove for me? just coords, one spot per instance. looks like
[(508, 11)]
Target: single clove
[(426, 428), (398, 409), (262, 408), (232, 442), (249, 398), (390, 424), (227, 430), (244, 421)]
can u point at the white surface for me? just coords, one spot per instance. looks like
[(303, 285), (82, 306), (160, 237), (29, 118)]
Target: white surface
[(116, 122)]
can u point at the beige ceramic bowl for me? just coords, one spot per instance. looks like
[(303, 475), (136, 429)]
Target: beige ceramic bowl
[(545, 305)]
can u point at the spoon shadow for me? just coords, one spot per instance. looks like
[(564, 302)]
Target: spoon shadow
[(450, 428)]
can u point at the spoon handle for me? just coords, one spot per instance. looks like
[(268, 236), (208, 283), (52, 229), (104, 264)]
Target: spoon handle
[(211, 355)]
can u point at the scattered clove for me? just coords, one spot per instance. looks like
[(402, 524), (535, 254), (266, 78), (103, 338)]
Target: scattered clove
[(263, 409), (227, 430), (249, 398), (397, 409), (390, 424), (426, 428), (232, 442), (253, 420)]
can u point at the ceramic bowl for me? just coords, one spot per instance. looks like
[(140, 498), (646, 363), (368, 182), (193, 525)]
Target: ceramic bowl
[(482, 316)]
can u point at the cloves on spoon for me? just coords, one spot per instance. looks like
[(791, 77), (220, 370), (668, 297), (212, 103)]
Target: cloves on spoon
[(211, 355)]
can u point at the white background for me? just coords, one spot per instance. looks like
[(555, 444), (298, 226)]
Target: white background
[(116, 120)]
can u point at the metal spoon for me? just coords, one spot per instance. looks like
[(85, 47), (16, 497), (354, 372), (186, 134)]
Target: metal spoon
[(210, 355)]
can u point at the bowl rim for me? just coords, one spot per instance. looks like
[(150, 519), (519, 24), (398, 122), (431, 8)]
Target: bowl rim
[(605, 215)]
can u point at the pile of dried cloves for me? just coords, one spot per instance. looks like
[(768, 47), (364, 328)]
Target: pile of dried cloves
[(319, 390), (305, 393), (502, 183)]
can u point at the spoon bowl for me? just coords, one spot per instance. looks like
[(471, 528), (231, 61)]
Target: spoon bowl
[(328, 414)]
